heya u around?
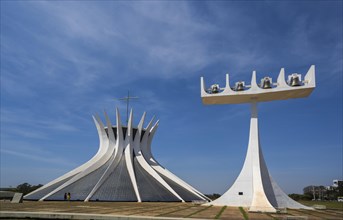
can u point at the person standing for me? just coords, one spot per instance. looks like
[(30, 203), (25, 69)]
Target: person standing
[(68, 196), (65, 196)]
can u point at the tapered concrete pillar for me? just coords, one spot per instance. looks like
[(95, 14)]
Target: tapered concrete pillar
[(248, 188), (254, 187)]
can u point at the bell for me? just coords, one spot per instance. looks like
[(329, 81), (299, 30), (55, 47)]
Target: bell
[(266, 83), (215, 88), (295, 80), (239, 86)]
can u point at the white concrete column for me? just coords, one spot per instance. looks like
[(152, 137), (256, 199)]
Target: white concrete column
[(260, 201)]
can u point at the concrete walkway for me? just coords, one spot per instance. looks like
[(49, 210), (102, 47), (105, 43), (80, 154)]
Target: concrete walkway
[(146, 210), (63, 215)]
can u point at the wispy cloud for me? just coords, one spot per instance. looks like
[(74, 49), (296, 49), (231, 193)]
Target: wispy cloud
[(23, 118), (62, 61), (35, 157)]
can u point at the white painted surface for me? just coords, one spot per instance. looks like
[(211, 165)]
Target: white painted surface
[(146, 150), (114, 160), (141, 160), (256, 94), (105, 156), (111, 150), (260, 193), (129, 159), (254, 187), (101, 151)]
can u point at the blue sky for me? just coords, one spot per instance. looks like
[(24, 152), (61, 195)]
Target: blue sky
[(63, 61)]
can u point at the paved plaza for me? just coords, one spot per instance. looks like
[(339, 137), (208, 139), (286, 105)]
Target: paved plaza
[(133, 210)]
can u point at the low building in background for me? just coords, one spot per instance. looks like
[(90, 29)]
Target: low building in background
[(325, 192)]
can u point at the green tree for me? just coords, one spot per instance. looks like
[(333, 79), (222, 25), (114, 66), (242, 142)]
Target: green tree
[(213, 196), (298, 197), (26, 188)]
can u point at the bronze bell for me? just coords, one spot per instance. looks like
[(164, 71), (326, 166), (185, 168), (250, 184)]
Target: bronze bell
[(295, 80), (239, 86), (266, 83), (215, 88)]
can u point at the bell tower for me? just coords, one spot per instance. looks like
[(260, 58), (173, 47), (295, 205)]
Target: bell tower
[(254, 187)]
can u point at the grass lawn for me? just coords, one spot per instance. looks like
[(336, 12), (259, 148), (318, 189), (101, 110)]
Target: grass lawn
[(328, 204)]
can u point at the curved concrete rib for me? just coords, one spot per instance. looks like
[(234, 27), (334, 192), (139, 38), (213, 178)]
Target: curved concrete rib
[(112, 140), (129, 156), (111, 151), (80, 168), (139, 130), (120, 136), (100, 153), (146, 166), (93, 166), (146, 150), (115, 159)]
